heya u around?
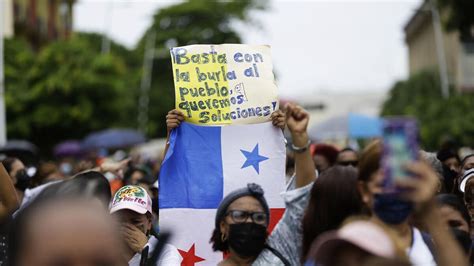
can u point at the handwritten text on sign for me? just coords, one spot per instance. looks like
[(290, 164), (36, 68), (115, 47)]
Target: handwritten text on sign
[(224, 84)]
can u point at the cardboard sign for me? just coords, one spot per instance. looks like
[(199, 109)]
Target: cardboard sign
[(224, 84)]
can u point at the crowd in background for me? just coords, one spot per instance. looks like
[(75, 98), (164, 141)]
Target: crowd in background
[(336, 210)]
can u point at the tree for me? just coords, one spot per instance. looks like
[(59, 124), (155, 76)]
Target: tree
[(460, 17), (65, 91), (68, 88), (19, 57), (420, 96), (191, 22)]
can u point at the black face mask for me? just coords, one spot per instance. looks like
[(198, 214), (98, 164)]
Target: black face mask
[(390, 209), (22, 180), (247, 239)]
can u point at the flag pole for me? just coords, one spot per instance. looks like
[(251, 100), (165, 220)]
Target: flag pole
[(143, 102), (443, 71), (3, 125)]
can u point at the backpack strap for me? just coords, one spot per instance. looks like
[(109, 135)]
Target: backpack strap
[(429, 243), (279, 255), (144, 256)]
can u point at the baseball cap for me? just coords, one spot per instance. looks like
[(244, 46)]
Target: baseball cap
[(468, 174), (363, 234), (133, 198)]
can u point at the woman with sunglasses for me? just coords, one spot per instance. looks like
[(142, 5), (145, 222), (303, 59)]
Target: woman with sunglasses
[(243, 216), (348, 156)]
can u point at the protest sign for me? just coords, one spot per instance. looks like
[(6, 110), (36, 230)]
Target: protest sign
[(224, 84)]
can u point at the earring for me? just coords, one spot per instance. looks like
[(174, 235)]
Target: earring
[(223, 237)]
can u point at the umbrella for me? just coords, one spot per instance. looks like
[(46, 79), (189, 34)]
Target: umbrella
[(351, 126), (24, 150), (68, 148), (112, 139)]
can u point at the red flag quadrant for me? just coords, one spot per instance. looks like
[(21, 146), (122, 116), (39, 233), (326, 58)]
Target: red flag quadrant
[(192, 229)]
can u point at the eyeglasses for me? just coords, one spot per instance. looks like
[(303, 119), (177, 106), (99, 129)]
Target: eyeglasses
[(242, 216), (347, 163)]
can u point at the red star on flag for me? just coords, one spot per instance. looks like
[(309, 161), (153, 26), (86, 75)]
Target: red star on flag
[(189, 257)]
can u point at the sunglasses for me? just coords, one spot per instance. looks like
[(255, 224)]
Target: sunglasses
[(242, 216), (347, 163)]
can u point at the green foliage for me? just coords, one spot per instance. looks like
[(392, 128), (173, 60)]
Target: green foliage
[(420, 96), (460, 16), (191, 22), (65, 91), (18, 58), (69, 89)]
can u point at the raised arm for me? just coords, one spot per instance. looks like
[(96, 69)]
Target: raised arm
[(297, 120), (173, 120), (8, 200), (421, 190)]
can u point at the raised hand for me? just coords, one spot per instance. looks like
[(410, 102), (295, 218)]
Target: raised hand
[(279, 119), (297, 119), (134, 238), (117, 168), (421, 188), (174, 119)]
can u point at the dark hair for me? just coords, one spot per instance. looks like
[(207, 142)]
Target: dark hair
[(454, 202), (89, 184), (369, 160), (334, 197), (463, 238), (147, 175), (445, 154), (85, 186), (327, 151), (45, 169), (252, 190), (8, 162), (217, 243), (347, 149)]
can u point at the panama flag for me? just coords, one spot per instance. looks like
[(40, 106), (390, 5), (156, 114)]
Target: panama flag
[(202, 165)]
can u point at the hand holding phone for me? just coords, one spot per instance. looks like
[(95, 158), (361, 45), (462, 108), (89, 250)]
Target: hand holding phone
[(400, 147)]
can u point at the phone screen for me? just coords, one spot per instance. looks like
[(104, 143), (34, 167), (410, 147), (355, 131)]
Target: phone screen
[(400, 146)]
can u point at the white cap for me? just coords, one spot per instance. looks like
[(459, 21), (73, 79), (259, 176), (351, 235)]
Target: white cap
[(133, 198), (468, 174), (365, 235)]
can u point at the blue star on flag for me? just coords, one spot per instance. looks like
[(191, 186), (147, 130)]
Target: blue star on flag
[(253, 159)]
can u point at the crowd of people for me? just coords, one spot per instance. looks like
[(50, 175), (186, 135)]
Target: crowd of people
[(336, 211)]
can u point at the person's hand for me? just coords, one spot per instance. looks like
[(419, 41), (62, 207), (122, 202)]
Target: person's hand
[(134, 238), (174, 119), (421, 188), (115, 168), (297, 119), (278, 119)]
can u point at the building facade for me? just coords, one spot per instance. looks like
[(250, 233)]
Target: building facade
[(42, 21), (421, 42)]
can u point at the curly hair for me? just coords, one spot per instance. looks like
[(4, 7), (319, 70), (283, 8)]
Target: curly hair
[(217, 243)]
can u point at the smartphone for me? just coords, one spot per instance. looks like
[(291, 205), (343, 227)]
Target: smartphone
[(400, 146)]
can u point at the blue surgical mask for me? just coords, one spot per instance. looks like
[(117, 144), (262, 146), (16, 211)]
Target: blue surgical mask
[(391, 209), (66, 168)]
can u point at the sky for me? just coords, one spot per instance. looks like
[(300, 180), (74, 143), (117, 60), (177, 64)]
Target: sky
[(317, 46)]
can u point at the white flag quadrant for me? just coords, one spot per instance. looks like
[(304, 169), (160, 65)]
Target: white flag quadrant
[(190, 231), (254, 154)]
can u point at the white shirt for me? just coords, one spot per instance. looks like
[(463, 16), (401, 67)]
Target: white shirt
[(169, 255), (419, 253), (31, 194)]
